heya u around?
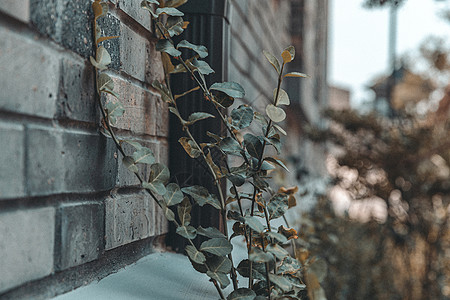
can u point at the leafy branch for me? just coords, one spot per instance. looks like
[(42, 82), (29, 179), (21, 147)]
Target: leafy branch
[(277, 274)]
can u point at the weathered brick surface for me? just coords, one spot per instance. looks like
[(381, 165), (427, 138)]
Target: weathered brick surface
[(26, 245), (19, 9), (29, 77), (69, 162), (130, 218), (76, 100), (145, 112), (52, 151), (79, 236), (139, 57), (134, 10), (12, 166)]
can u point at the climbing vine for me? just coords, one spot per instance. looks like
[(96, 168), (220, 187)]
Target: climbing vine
[(272, 272)]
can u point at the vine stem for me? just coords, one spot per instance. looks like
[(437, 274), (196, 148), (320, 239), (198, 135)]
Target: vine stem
[(121, 150), (256, 190)]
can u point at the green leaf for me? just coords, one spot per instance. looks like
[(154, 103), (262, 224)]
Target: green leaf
[(283, 97), (159, 175), (277, 250), (202, 196), (167, 211), (230, 146), (234, 215), (177, 113), (135, 144), (184, 213), (210, 232), (220, 278), (295, 74), (265, 166), (242, 294), (258, 269), (159, 172), (276, 114), (217, 246), (187, 232), (103, 59), (174, 26), (156, 187), (279, 129), (195, 255), (288, 54), (278, 162), (277, 236), (190, 147), (104, 82), (202, 67), (171, 11), (174, 3), (128, 162), (232, 89), (242, 116), (163, 90), (145, 4), (115, 110), (254, 223), (289, 265), (197, 116), (219, 264), (282, 282), (274, 141), (173, 195), (259, 256), (143, 155), (201, 50), (236, 179), (277, 206), (253, 144), (167, 47), (223, 99), (273, 61)]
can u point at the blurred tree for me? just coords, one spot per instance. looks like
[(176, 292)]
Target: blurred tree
[(405, 162)]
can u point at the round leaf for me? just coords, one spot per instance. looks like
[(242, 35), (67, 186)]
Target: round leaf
[(283, 97), (232, 89), (276, 114)]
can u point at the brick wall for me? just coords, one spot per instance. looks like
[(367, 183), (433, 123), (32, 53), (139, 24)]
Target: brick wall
[(66, 202)]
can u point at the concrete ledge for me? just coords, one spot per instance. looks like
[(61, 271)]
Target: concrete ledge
[(158, 276)]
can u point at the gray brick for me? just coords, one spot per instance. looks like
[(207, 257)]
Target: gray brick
[(70, 162), (128, 218), (19, 9), (77, 94), (80, 234), (139, 104), (12, 167), (26, 245), (70, 23), (29, 77), (44, 15), (139, 57), (45, 163), (134, 10)]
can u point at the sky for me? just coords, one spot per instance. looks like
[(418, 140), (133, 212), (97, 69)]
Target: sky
[(358, 42)]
